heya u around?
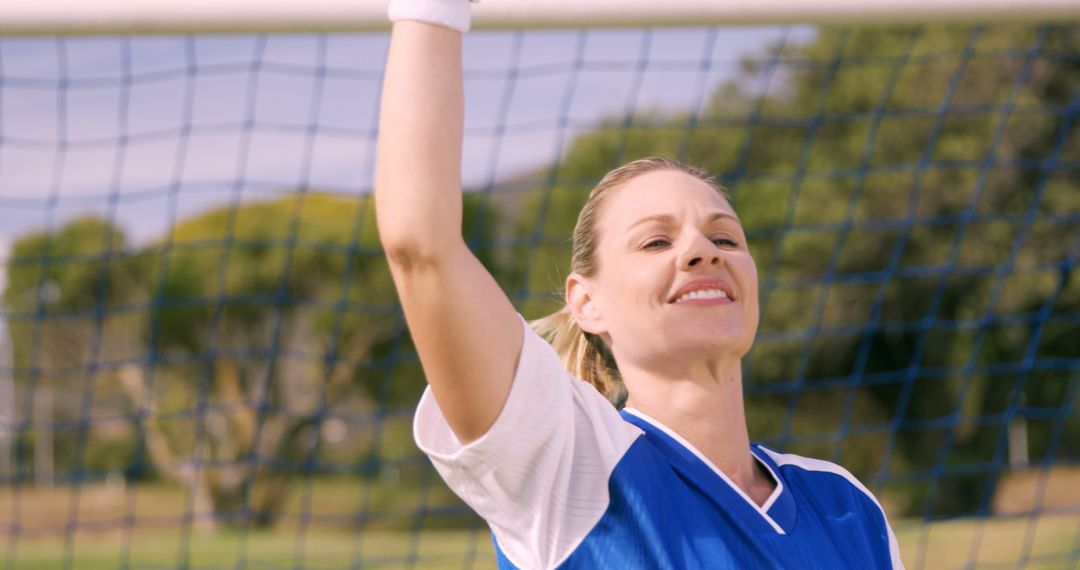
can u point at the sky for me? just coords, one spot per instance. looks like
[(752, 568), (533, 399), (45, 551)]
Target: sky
[(111, 126)]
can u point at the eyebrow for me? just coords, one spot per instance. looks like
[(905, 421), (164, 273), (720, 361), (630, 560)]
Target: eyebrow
[(668, 219)]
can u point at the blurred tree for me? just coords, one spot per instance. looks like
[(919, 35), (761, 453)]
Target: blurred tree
[(267, 320), (67, 292), (239, 334)]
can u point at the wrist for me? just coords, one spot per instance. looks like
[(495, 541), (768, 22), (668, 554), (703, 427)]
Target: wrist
[(453, 14)]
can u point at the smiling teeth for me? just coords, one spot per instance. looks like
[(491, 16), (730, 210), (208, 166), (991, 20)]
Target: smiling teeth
[(704, 294)]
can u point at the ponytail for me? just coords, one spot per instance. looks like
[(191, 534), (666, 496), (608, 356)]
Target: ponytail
[(583, 354)]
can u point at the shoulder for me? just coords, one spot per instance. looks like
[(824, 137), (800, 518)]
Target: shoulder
[(819, 466), (540, 475), (820, 475)]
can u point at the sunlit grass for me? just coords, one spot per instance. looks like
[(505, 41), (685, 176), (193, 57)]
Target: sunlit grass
[(1046, 542), (311, 550), (156, 537), (100, 526)]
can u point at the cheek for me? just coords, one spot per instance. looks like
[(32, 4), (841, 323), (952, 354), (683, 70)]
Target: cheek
[(750, 285), (610, 292), (753, 281), (626, 293), (629, 277)]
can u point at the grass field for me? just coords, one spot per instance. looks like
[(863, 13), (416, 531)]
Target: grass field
[(158, 542), (948, 545), (1045, 543), (144, 527), (317, 549)]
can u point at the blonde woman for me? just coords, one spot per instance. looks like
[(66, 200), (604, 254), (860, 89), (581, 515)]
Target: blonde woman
[(661, 305)]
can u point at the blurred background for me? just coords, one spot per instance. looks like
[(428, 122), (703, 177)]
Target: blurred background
[(202, 359)]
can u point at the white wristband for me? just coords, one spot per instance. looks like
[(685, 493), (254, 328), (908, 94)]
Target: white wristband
[(453, 14)]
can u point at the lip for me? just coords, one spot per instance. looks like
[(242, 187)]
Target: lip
[(700, 285)]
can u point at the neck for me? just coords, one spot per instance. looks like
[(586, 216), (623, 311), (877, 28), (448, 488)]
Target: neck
[(704, 405)]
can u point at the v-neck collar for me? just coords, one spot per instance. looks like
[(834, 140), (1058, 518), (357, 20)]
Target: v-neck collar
[(777, 514)]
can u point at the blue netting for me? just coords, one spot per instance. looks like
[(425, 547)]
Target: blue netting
[(204, 365)]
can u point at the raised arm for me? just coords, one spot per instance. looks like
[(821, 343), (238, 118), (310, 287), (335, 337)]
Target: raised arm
[(466, 332)]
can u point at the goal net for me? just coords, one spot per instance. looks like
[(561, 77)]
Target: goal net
[(203, 363)]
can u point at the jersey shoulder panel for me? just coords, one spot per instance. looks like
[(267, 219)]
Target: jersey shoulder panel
[(819, 465)]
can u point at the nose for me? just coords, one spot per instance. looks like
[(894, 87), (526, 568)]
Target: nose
[(700, 252)]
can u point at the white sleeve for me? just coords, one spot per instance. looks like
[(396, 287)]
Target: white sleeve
[(539, 476)]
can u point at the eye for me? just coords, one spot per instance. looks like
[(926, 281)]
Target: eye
[(656, 243), (724, 242)]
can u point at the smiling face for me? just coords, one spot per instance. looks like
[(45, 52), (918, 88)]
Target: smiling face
[(675, 279)]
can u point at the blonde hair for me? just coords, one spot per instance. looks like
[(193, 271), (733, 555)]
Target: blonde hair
[(585, 355)]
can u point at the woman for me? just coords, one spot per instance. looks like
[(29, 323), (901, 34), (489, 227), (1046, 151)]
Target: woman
[(661, 305)]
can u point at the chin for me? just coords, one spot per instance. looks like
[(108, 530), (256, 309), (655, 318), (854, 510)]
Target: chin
[(711, 344)]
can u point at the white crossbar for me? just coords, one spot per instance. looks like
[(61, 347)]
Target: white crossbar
[(215, 16)]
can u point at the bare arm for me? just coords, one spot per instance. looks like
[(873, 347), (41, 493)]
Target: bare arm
[(465, 330)]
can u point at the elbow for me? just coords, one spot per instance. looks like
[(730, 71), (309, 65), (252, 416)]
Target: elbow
[(410, 254), (411, 242)]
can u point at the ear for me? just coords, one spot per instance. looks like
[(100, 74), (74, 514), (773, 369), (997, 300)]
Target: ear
[(579, 297)]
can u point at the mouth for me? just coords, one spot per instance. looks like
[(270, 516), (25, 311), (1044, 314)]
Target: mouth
[(701, 295), (703, 292)]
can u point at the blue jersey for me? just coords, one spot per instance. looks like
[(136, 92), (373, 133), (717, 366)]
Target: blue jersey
[(565, 481)]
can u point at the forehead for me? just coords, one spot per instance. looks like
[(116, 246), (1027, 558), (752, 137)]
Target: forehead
[(662, 192)]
